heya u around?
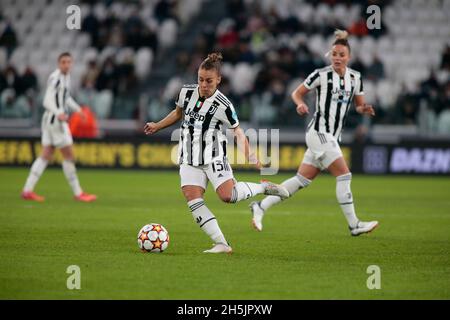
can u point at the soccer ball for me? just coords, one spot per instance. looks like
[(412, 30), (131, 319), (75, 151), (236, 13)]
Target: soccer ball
[(153, 237)]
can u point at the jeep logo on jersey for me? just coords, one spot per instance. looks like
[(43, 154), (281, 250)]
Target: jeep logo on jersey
[(194, 115), (341, 92)]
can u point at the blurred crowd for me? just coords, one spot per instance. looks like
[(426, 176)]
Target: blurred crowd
[(268, 52), (269, 47)]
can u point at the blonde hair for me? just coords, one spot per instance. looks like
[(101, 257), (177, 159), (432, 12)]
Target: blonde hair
[(341, 37), (341, 34), (213, 61)]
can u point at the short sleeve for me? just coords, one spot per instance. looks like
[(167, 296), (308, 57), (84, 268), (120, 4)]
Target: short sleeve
[(230, 118), (179, 99), (312, 81), (53, 81), (359, 89)]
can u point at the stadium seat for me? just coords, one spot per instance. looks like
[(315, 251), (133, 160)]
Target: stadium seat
[(243, 78), (3, 58), (102, 104), (443, 122), (143, 62), (386, 92), (167, 33)]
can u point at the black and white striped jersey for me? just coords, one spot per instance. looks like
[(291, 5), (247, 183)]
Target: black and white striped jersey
[(57, 99), (334, 95), (201, 136)]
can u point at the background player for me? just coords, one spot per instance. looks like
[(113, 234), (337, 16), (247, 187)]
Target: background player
[(56, 133), (202, 149), (336, 86)]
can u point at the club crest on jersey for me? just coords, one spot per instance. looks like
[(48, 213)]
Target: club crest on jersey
[(213, 108)]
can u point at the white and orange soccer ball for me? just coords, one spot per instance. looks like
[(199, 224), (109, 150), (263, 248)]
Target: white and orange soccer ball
[(153, 237)]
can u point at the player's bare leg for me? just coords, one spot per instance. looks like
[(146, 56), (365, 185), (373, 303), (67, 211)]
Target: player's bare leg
[(340, 170), (70, 172), (232, 192), (205, 219), (36, 171), (305, 174)]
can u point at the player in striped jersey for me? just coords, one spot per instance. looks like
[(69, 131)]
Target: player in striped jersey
[(203, 110), (56, 133), (336, 87)]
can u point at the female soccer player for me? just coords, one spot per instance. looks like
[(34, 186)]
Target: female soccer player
[(202, 149), (56, 133), (336, 86)]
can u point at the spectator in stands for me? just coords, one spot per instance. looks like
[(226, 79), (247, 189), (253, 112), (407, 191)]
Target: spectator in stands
[(407, 109), (9, 79), (287, 62), (107, 78), (244, 53), (359, 28), (127, 79), (165, 9), (133, 27), (91, 25), (235, 8), (27, 81), (3, 81), (228, 37), (445, 61), (8, 38), (148, 39), (13, 106), (375, 71), (89, 79), (306, 63), (358, 65)]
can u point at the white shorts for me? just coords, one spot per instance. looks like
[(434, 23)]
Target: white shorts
[(218, 171), (56, 135), (323, 149)]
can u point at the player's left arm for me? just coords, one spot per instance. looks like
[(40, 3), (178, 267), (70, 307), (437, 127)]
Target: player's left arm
[(360, 103), (72, 104), (230, 119), (362, 107), (244, 147), (75, 107)]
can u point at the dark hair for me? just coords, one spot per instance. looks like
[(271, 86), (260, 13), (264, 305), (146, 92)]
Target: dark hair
[(64, 54), (213, 61), (341, 38)]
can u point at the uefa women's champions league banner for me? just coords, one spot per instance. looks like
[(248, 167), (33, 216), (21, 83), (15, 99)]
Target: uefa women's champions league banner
[(140, 153)]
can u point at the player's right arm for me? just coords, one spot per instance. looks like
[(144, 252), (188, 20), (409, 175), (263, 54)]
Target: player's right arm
[(297, 96), (311, 82), (170, 119)]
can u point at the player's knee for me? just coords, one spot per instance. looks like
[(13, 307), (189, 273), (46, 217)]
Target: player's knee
[(225, 196), (47, 153), (189, 195), (47, 157)]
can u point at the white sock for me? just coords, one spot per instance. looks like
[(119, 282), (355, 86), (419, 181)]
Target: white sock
[(71, 175), (206, 220), (292, 185), (36, 171), (244, 190), (345, 198)]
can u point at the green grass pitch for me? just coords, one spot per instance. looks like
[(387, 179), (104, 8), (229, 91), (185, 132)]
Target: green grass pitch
[(304, 252)]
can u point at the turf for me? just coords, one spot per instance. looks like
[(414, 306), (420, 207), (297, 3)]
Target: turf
[(304, 252)]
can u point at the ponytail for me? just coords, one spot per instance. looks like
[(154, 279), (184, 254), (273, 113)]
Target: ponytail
[(213, 61)]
